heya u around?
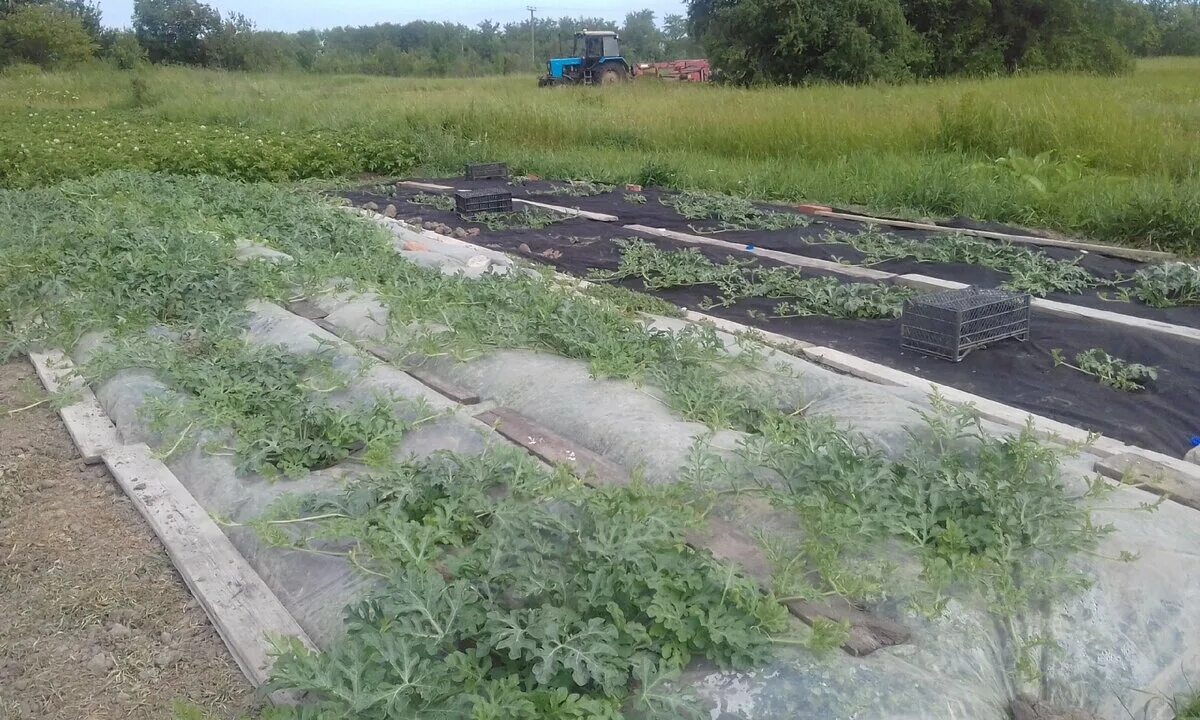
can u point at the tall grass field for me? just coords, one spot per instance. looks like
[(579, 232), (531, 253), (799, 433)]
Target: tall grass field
[(1109, 158)]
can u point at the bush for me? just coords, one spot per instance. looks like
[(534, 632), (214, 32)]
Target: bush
[(43, 35), (793, 41), (126, 53)]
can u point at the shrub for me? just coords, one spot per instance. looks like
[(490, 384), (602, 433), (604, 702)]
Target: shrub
[(45, 36), (793, 41), (126, 53)]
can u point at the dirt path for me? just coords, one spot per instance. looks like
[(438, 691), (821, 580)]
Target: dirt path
[(94, 621)]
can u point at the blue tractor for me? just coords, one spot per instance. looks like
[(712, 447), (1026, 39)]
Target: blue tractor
[(597, 61)]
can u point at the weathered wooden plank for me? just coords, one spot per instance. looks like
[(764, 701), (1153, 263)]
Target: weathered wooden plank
[(552, 447), (424, 185), (307, 309), (459, 395), (89, 426), (573, 212), (1098, 248), (1114, 318), (860, 273), (730, 544), (1179, 483), (241, 606)]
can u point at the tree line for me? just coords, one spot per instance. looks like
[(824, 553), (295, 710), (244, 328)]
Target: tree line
[(194, 33), (796, 41), (748, 41)]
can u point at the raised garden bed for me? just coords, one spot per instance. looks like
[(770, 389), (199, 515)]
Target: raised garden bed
[(1163, 417), (813, 241)]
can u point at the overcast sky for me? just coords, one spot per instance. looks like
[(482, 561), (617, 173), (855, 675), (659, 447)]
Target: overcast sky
[(293, 15)]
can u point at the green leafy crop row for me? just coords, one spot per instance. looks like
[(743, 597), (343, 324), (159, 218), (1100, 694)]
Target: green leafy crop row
[(731, 213), (37, 148), (552, 601), (1029, 271), (737, 280)]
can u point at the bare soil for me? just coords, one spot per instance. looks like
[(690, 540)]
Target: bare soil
[(94, 621)]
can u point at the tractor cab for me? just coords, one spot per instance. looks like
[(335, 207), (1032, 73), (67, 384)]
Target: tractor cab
[(596, 44), (597, 61)]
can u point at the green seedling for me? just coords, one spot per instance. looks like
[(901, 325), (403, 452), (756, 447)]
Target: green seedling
[(731, 213), (576, 188), (1111, 371), (445, 203)]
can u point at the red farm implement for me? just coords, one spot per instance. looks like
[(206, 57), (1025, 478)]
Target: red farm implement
[(678, 70)]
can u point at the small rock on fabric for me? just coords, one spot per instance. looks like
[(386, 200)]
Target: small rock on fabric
[(390, 211), (371, 206)]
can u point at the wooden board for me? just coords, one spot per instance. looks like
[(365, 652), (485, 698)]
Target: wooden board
[(552, 447), (240, 604), (306, 309), (1099, 249), (1179, 484), (868, 632), (424, 186), (89, 426), (853, 271), (573, 212), (443, 386), (1114, 318)]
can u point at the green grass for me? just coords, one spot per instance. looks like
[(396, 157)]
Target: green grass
[(1115, 159)]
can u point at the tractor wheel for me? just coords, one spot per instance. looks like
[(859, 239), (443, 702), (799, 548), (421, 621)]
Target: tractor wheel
[(611, 74)]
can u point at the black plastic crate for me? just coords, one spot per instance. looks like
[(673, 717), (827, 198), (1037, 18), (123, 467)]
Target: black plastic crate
[(468, 202), (952, 323), (486, 171)]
